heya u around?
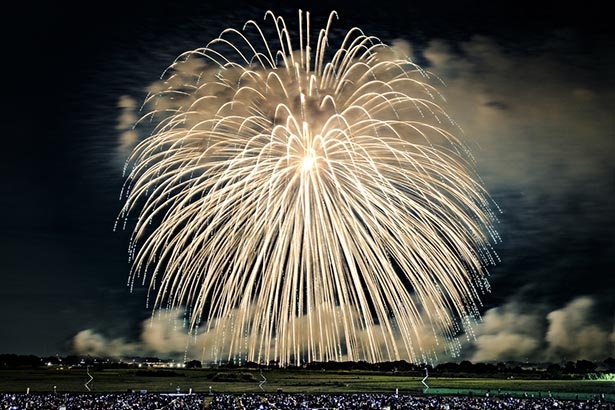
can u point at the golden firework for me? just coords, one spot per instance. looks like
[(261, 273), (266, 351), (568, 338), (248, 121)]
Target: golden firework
[(307, 204)]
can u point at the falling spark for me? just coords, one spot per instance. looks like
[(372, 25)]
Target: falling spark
[(310, 204), (90, 380), (424, 379), (262, 382)]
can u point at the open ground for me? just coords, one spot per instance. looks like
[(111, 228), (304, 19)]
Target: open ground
[(73, 380)]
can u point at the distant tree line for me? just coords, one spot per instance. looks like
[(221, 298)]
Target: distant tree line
[(566, 369), (452, 369), (12, 361), (464, 368)]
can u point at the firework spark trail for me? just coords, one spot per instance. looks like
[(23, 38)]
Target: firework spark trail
[(90, 380), (424, 379), (320, 207), (262, 382)]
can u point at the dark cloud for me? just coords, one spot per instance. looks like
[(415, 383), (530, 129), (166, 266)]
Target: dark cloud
[(497, 105)]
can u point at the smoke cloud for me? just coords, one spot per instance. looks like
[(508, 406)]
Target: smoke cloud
[(536, 121), (125, 122), (88, 342), (573, 335), (514, 332), (163, 334), (507, 333), (166, 335)]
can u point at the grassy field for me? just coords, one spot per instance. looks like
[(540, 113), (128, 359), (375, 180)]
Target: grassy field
[(304, 381)]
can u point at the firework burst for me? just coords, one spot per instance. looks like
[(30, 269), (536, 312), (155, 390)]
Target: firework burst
[(309, 204)]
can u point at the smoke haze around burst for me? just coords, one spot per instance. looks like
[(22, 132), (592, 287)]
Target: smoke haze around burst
[(537, 126), (509, 332), (125, 123), (522, 115)]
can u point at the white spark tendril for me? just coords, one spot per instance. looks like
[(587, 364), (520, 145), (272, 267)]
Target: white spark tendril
[(309, 204)]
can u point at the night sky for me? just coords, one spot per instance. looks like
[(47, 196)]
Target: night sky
[(530, 84)]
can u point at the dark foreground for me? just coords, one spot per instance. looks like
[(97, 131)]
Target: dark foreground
[(254, 401)]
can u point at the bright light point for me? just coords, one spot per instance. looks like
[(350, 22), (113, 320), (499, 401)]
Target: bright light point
[(309, 162)]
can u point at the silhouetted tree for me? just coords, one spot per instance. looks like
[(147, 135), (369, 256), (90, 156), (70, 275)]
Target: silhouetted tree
[(554, 370), (502, 367), (585, 366), (193, 364), (569, 367), (71, 360), (13, 361), (449, 367), (484, 368), (466, 367), (251, 365)]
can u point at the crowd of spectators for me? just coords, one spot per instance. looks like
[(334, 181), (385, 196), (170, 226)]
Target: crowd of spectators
[(115, 401), (370, 401), (360, 401)]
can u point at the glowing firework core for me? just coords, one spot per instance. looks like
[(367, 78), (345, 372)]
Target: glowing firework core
[(305, 208), (309, 161)]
